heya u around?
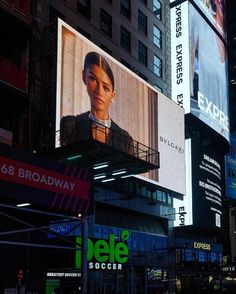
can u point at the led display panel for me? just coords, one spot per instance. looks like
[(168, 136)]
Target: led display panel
[(202, 204), (134, 107), (231, 169), (199, 67)]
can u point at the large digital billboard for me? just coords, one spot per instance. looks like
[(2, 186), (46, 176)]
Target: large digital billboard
[(205, 187), (91, 85), (231, 169), (199, 68)]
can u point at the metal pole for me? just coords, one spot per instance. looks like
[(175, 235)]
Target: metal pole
[(84, 250)]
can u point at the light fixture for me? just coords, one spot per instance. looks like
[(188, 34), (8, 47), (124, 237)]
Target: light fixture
[(127, 176), (96, 177), (108, 180), (23, 204), (118, 172), (100, 165), (74, 157)]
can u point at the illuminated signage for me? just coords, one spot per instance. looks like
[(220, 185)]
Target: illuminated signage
[(36, 180), (105, 255), (202, 246), (160, 123), (199, 68)]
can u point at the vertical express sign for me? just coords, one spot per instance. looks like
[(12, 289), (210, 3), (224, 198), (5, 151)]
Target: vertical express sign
[(207, 187), (180, 55)]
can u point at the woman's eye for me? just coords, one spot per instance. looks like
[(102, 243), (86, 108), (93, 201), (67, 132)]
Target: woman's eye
[(92, 78), (106, 89)]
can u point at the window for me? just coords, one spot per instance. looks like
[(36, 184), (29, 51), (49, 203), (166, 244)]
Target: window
[(157, 66), (125, 39), (142, 53), (142, 22), (83, 7), (157, 8), (157, 37), (106, 23), (125, 8)]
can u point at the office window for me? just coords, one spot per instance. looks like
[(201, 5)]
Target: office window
[(106, 23), (125, 8), (83, 7), (157, 66), (157, 7), (157, 36), (142, 22), (142, 53), (125, 39)]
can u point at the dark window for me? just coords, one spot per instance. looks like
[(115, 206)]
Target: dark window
[(125, 39), (107, 50), (83, 7), (83, 32), (142, 22), (106, 23), (142, 53), (125, 8), (157, 8), (125, 63), (157, 66), (157, 36)]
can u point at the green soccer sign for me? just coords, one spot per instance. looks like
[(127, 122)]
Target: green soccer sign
[(105, 254)]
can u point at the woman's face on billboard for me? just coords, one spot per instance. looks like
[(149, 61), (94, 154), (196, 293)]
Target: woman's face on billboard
[(100, 90)]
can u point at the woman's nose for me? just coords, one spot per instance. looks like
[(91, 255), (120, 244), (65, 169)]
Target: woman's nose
[(99, 88)]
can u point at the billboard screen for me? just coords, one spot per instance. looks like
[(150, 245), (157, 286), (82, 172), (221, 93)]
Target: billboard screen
[(199, 68), (231, 169), (202, 205), (215, 13), (107, 92), (208, 187)]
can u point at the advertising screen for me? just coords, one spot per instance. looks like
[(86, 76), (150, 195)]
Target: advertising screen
[(91, 83), (202, 205), (231, 169), (199, 68), (215, 13), (208, 187)]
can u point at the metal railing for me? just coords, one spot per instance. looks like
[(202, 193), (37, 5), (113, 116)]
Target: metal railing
[(119, 140)]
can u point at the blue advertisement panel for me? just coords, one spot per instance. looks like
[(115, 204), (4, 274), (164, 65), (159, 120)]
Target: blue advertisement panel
[(208, 187), (208, 74), (231, 169), (41, 182)]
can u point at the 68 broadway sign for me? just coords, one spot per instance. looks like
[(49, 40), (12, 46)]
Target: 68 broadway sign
[(40, 181), (105, 255)]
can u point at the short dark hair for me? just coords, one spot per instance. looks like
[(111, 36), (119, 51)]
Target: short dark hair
[(95, 58)]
